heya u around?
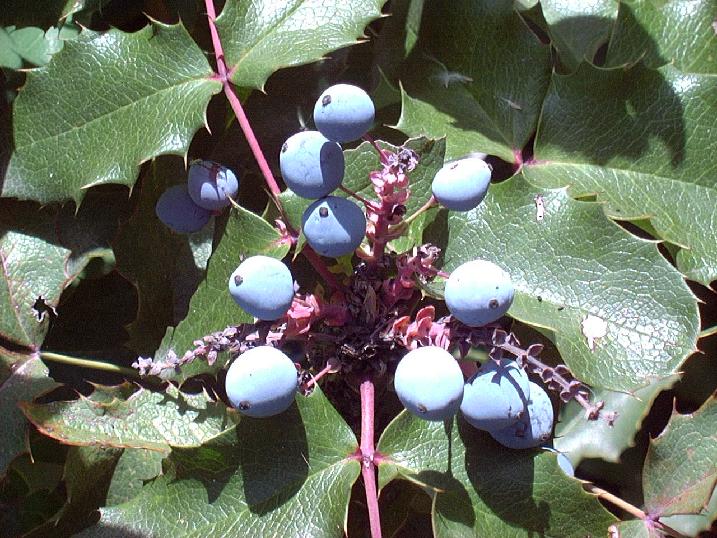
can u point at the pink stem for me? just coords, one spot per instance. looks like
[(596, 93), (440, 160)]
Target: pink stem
[(356, 195), (274, 189), (367, 456), (236, 104)]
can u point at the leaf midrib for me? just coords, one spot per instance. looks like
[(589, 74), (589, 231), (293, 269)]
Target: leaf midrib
[(112, 112)]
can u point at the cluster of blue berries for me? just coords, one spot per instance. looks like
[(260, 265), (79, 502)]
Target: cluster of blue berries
[(312, 166), (187, 208), (262, 381)]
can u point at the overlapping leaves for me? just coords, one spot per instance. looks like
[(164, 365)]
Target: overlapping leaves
[(295, 466), (483, 489)]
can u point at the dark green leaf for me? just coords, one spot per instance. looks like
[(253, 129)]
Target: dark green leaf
[(22, 377), (680, 471), (288, 475), (578, 28), (134, 467), (111, 101), (28, 242), (165, 267), (131, 417), (666, 32), (642, 141), (477, 76), (484, 489), (263, 36)]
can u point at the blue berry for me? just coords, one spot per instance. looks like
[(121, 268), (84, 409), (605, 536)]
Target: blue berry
[(334, 226), (478, 292), (210, 184), (461, 185), (177, 210), (496, 395), (429, 383), (534, 428), (344, 113), (262, 286), (312, 166), (261, 382)]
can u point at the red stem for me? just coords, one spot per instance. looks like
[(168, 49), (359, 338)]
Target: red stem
[(367, 456), (274, 189)]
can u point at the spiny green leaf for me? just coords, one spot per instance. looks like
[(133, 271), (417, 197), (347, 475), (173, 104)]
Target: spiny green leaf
[(263, 36), (28, 242), (582, 438), (134, 467), (166, 267), (680, 471), (477, 76), (484, 489), (642, 140), (579, 28), (572, 265), (111, 101), (22, 377), (131, 417), (666, 32), (288, 475), (212, 307)]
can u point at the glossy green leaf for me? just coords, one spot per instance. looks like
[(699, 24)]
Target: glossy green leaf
[(693, 524), (134, 467), (110, 101), (484, 489), (477, 76), (166, 267), (572, 264), (130, 417), (212, 308), (28, 242), (263, 36), (579, 28), (289, 475), (680, 472), (580, 438), (641, 141), (676, 32), (22, 377)]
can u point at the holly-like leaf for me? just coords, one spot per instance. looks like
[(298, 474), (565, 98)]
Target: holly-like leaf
[(212, 307), (110, 101), (484, 489), (134, 467), (28, 242), (641, 141), (288, 475), (669, 32), (166, 267), (574, 265), (579, 28), (693, 524), (680, 472), (130, 417), (477, 75), (263, 36), (582, 438), (22, 377)]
